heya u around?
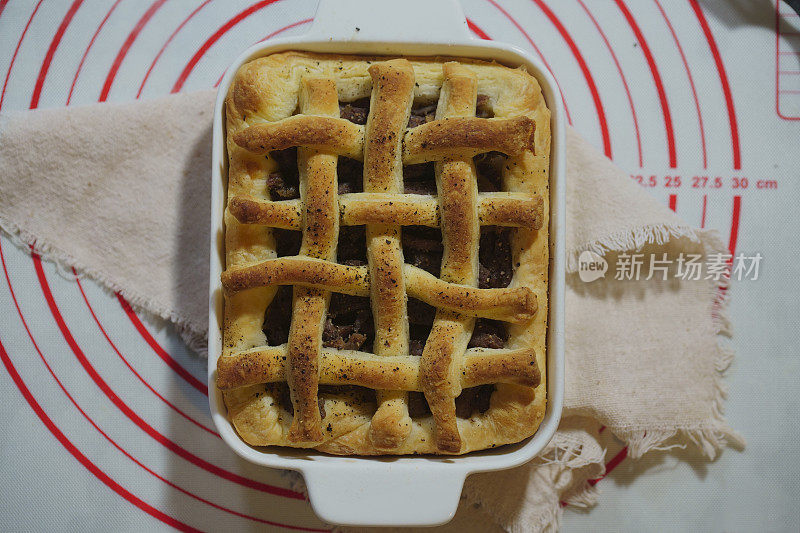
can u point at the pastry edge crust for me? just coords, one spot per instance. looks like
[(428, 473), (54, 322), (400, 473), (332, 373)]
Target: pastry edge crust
[(515, 412)]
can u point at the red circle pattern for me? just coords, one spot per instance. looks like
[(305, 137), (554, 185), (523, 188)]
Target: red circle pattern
[(171, 362)]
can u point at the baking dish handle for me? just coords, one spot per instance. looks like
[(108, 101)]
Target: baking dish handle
[(376, 493), (400, 21)]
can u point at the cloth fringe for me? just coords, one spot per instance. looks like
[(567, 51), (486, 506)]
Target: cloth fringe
[(569, 456), (632, 240), (713, 437), (558, 476), (71, 269)]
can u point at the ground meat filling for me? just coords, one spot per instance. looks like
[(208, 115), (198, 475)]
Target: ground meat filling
[(471, 400), (421, 113), (420, 322), (494, 256), (474, 399), (483, 107), (422, 247), (349, 172), (356, 112), (421, 178), (287, 241), (350, 175), (495, 270), (284, 182), (489, 167), (278, 316), (352, 247), (488, 334), (347, 393), (349, 324)]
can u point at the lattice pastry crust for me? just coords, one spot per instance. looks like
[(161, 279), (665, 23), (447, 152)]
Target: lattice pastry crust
[(292, 99)]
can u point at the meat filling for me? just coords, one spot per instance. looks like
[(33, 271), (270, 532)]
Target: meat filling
[(471, 400), (422, 247), (356, 112), (489, 167), (284, 182), (348, 393), (349, 323)]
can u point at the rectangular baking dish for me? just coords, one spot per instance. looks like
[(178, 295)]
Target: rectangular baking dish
[(397, 491)]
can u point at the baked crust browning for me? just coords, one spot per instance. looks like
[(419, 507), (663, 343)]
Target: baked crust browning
[(298, 270), (506, 209), (285, 215), (481, 366), (458, 137), (453, 137), (336, 135), (466, 137), (390, 107), (305, 390), (320, 226), (456, 181), (494, 209), (374, 208), (516, 304)]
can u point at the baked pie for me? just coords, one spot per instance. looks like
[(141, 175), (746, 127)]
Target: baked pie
[(386, 254)]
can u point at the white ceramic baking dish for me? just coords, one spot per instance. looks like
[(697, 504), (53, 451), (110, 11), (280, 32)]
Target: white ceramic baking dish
[(407, 491)]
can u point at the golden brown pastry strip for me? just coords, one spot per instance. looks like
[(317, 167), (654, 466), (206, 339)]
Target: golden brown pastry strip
[(340, 367), (456, 181), (285, 214), (516, 304), (390, 107), (452, 137), (297, 270), (320, 233), (510, 209), (463, 137), (335, 135), (494, 209), (402, 209)]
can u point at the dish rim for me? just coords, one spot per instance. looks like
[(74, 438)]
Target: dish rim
[(329, 35)]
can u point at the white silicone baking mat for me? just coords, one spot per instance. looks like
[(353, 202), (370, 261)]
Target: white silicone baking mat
[(105, 416)]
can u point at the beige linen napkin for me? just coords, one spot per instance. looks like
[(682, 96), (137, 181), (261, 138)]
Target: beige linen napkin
[(121, 192)]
